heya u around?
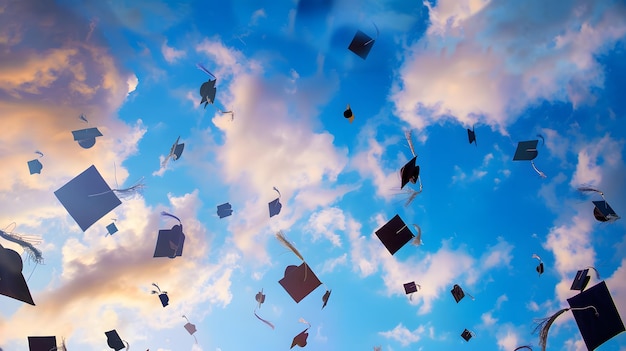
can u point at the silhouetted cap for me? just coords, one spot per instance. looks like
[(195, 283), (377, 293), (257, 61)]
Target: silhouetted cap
[(466, 334), (111, 228), (170, 242), (87, 198), (361, 44), (540, 268), (600, 324), (603, 212), (86, 138), (394, 234), (299, 281), (457, 293), (410, 288), (42, 343), (526, 150), (471, 136), (12, 282), (300, 339), (581, 280), (114, 341), (348, 114), (325, 298), (224, 210), (409, 172), (34, 166)]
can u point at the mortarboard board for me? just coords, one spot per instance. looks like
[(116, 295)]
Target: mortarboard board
[(275, 206), (34, 166), (362, 44), (581, 280), (207, 89), (114, 341), (12, 282), (394, 234), (42, 343), (471, 136), (410, 288), (162, 295), (170, 241), (300, 339), (466, 334), (299, 281), (458, 293), (326, 297), (600, 323), (526, 150), (111, 228), (409, 172), (86, 138), (224, 210), (348, 114), (603, 212), (87, 198)]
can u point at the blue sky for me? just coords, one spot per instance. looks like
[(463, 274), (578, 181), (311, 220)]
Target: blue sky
[(511, 70)]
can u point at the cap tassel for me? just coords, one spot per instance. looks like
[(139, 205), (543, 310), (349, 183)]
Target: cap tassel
[(33, 253), (523, 347), (281, 238), (544, 324), (587, 189), (39, 153), (263, 320), (302, 320), (409, 140), (417, 241), (83, 118), (203, 69), (541, 174), (163, 213), (377, 34), (595, 270)]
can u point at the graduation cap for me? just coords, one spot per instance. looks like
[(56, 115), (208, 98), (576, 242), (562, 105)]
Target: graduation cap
[(394, 234), (87, 197), (325, 298), (410, 288), (603, 212), (111, 228), (224, 210), (191, 328), (471, 136), (42, 343), (170, 241), (362, 43), (299, 281), (114, 341), (539, 267), (348, 114), (300, 339), (582, 279), (458, 293), (527, 151), (162, 295), (275, 206), (467, 335), (12, 282), (410, 172), (175, 152), (34, 166), (86, 138), (260, 299), (207, 89)]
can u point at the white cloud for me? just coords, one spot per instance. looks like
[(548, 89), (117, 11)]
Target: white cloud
[(170, 54), (403, 335), (324, 224)]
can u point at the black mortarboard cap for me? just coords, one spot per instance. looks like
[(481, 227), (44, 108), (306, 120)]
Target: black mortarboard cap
[(394, 234), (170, 242), (599, 325), (34, 166), (581, 280), (299, 281), (361, 44), (12, 282), (114, 341), (42, 343), (111, 228), (300, 339), (87, 198), (603, 212), (466, 334), (178, 151), (275, 206), (409, 172), (207, 92), (526, 150), (540, 268), (410, 288), (457, 293), (165, 300), (471, 135), (325, 298), (348, 113), (86, 138), (224, 210)]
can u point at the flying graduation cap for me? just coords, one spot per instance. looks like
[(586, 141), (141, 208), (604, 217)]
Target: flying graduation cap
[(410, 172), (362, 43), (596, 316), (35, 166), (410, 288), (348, 114), (162, 295), (86, 138), (582, 279), (467, 335), (88, 198), (394, 234), (208, 91), (175, 152), (12, 282), (115, 342), (191, 328), (459, 294), (275, 206), (471, 136), (527, 151), (260, 299), (602, 211), (224, 210), (111, 228), (170, 241), (300, 339), (43, 343), (539, 267)]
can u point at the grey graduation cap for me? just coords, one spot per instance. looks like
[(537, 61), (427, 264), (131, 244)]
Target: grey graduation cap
[(111, 229), (224, 210), (526, 150), (394, 234), (42, 343), (86, 138), (87, 198)]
